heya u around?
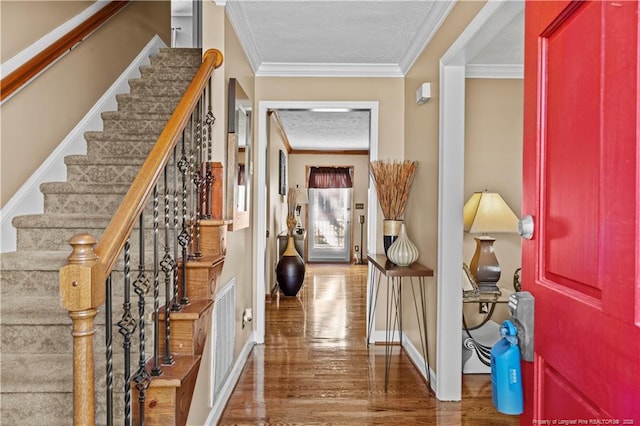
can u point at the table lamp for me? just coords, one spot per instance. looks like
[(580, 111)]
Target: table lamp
[(487, 212)]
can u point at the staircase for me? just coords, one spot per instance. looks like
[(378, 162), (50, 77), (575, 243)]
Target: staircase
[(36, 346)]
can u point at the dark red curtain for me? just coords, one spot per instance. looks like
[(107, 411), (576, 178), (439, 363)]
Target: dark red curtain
[(330, 177)]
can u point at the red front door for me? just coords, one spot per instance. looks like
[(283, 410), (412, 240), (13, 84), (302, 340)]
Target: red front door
[(582, 186)]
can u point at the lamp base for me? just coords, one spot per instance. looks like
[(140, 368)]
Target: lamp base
[(485, 267)]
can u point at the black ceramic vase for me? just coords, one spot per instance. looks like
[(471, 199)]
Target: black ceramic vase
[(290, 270), (390, 232)]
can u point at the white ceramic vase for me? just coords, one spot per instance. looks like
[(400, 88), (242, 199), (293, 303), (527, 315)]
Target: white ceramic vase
[(403, 252)]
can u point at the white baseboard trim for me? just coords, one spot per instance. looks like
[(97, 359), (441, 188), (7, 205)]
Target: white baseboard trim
[(230, 384), (28, 199), (381, 336), (418, 361), (410, 349)]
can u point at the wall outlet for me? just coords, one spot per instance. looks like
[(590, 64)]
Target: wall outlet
[(357, 249), (359, 206)]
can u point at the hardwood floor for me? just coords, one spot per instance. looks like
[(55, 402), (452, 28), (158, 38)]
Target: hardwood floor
[(315, 367)]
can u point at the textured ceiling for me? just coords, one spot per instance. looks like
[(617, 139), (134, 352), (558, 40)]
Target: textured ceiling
[(353, 38), (337, 130), (323, 37)]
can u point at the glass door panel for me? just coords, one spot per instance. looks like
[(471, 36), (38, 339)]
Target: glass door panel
[(329, 225)]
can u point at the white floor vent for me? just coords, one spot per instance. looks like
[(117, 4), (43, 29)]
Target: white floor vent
[(224, 332)]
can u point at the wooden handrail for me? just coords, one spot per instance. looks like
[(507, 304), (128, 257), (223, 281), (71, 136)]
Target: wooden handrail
[(30, 69), (125, 218)]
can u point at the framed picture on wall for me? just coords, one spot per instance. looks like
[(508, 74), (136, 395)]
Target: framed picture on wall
[(283, 174)]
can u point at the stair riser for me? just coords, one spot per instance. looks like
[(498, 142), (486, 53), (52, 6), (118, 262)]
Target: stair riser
[(107, 204), (175, 59), (115, 149), (161, 106), (187, 336), (153, 73), (120, 137), (134, 126), (140, 87), (43, 239), (101, 173), (30, 283), (37, 409)]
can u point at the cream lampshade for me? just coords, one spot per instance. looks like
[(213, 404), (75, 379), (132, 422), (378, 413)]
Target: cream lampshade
[(483, 213)]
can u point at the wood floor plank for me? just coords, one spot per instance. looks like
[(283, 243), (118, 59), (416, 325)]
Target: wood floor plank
[(315, 367)]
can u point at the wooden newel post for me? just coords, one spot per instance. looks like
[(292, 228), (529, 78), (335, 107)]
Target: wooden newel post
[(82, 291)]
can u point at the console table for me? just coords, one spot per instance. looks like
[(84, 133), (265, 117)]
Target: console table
[(395, 275), (476, 349)]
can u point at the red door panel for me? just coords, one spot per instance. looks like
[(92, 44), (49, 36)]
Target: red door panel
[(582, 185)]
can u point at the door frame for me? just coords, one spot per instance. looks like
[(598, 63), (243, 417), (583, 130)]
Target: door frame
[(453, 72), (260, 193)]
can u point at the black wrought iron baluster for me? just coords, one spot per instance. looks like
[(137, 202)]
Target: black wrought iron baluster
[(141, 378), (209, 121), (175, 306), (192, 182), (155, 370), (108, 341), (184, 237), (167, 266), (198, 179), (126, 327)]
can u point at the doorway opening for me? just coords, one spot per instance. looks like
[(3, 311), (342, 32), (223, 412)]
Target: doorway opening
[(265, 196)]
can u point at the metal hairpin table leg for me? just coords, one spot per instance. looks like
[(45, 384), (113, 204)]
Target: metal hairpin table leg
[(422, 325)]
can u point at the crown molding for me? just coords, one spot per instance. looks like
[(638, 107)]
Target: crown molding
[(439, 13), (494, 71), (241, 27), (283, 69)]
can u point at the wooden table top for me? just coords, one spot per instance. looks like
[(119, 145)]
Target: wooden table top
[(389, 269)]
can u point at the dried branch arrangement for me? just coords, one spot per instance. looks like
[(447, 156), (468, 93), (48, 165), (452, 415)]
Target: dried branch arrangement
[(393, 181)]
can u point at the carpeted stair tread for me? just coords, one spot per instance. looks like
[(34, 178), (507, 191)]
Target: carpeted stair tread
[(89, 160), (118, 115), (119, 136), (83, 188), (62, 221), (32, 260)]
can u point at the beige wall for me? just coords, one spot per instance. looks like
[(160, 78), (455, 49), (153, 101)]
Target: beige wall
[(297, 167), (38, 118), (421, 144), (389, 92), (25, 22), (493, 161), (218, 34), (276, 203)]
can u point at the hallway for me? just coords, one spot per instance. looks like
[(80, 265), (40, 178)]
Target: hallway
[(315, 367)]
